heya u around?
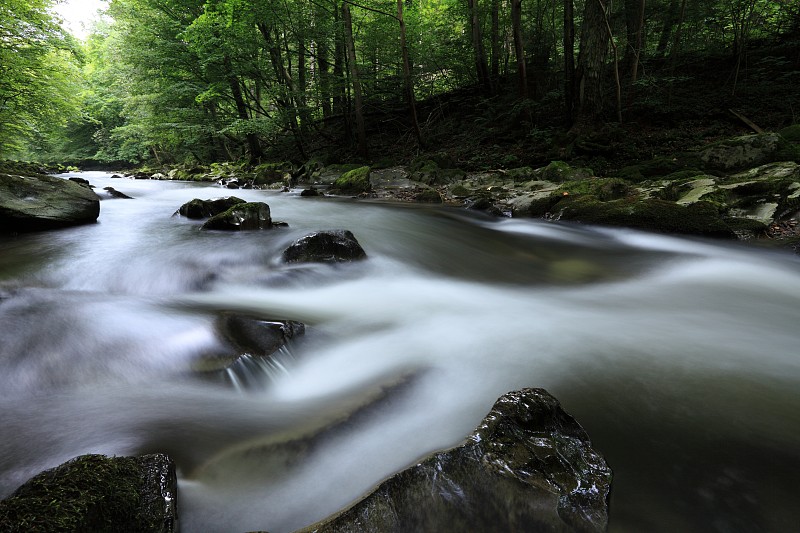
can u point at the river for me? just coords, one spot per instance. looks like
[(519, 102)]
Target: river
[(680, 357)]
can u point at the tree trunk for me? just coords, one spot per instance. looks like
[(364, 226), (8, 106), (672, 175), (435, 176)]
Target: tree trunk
[(519, 49), (670, 20), (634, 25), (351, 57), (569, 60), (253, 144), (481, 68), (495, 60), (591, 60), (407, 81)]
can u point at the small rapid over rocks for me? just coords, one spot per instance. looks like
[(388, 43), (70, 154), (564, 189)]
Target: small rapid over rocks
[(678, 356)]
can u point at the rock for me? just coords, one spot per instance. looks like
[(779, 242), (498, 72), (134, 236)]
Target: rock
[(97, 493), (257, 336), (747, 151), (116, 194), (529, 466), (308, 193), (197, 208), (559, 171), (243, 216), (331, 246), (355, 181), (791, 133), (40, 202), (428, 196), (82, 182)]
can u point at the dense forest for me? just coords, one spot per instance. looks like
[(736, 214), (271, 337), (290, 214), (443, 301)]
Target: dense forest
[(174, 82)]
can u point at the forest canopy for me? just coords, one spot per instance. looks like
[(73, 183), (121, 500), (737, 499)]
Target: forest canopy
[(193, 82)]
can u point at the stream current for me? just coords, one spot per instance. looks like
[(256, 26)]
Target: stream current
[(680, 357)]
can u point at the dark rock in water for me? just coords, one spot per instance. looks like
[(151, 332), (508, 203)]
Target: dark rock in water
[(246, 216), (485, 205), (197, 208), (257, 336), (310, 193), (82, 182), (116, 194), (331, 246), (31, 203), (528, 467), (97, 493)]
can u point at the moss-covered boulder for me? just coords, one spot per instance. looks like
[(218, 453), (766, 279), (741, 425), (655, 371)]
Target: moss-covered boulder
[(429, 172), (41, 202), (428, 196), (529, 466), (748, 151), (332, 246), (354, 182), (701, 218), (243, 216), (199, 209), (791, 133), (559, 171), (98, 494)]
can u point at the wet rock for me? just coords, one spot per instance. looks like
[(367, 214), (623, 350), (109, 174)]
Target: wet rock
[(528, 467), (116, 194), (244, 216), (428, 196), (97, 493), (81, 181), (309, 193), (331, 246), (559, 171), (198, 209), (41, 202), (258, 336)]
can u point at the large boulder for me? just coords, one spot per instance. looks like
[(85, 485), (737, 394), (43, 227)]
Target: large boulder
[(40, 202), (333, 246), (529, 466), (747, 151), (97, 493), (355, 181), (246, 216)]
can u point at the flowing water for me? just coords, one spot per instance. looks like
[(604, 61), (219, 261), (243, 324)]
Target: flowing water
[(679, 357)]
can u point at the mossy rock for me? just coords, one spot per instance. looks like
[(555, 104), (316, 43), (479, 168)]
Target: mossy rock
[(355, 181), (791, 133), (246, 216), (199, 209), (701, 218), (560, 172), (428, 196), (603, 188), (520, 174), (99, 494), (748, 151), (459, 190)]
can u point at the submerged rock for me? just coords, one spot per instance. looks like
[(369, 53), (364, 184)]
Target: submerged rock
[(246, 216), (529, 466), (97, 493), (41, 202), (257, 336), (116, 194), (333, 246)]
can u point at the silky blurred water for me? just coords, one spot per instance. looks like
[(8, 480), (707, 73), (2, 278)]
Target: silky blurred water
[(679, 357)]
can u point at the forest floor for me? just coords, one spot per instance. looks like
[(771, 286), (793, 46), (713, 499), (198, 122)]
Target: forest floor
[(669, 110)]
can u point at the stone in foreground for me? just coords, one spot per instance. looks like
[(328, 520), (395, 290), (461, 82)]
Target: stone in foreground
[(528, 467), (41, 202), (99, 494), (333, 246)]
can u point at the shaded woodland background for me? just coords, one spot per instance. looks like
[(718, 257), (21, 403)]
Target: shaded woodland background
[(486, 83)]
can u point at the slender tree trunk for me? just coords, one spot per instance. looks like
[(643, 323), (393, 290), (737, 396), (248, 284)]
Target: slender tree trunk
[(591, 60), (351, 57), (339, 96), (670, 21), (408, 83), (495, 60), (253, 143), (618, 84), (673, 58), (519, 49), (634, 24), (569, 60), (481, 68)]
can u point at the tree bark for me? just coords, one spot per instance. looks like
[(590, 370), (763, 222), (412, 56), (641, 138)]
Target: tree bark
[(591, 60), (495, 38), (569, 60), (481, 68), (253, 143), (407, 81), (634, 25), (351, 57), (519, 49)]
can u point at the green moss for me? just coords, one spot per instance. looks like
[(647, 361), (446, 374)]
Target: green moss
[(354, 181), (658, 167), (603, 188), (791, 133), (559, 172), (459, 190), (520, 175), (745, 225), (430, 196), (89, 493)]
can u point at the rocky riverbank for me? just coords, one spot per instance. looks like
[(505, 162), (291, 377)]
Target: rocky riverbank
[(745, 188)]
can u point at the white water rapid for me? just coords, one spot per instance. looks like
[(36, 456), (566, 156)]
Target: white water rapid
[(680, 357)]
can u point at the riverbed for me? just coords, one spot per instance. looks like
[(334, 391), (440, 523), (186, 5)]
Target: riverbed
[(679, 356)]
